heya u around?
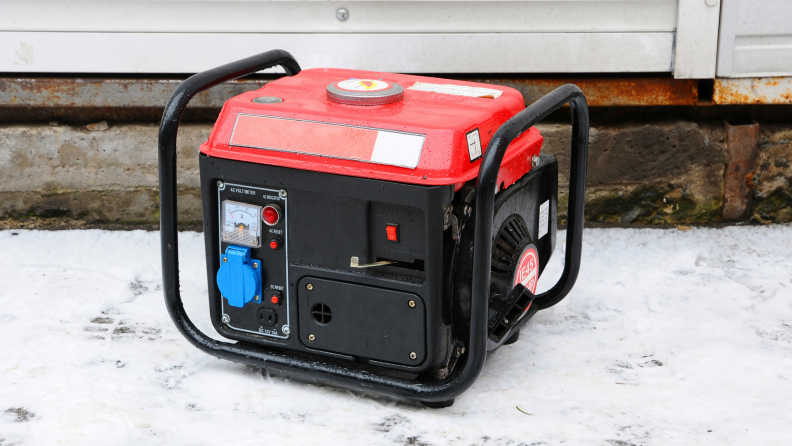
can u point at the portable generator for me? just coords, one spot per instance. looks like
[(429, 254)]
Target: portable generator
[(373, 231)]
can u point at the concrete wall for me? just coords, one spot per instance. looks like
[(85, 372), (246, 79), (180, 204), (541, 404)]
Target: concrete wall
[(656, 173)]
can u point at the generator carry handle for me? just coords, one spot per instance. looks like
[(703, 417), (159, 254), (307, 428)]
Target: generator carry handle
[(427, 391), (487, 183)]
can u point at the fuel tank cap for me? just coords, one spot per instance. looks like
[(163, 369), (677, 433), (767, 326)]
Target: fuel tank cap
[(365, 92)]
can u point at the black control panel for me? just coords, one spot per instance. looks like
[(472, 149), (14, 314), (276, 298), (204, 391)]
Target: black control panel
[(254, 218), (319, 256)]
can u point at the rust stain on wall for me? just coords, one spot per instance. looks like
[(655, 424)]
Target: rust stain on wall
[(742, 143), (113, 93), (769, 90), (608, 92), (154, 93)]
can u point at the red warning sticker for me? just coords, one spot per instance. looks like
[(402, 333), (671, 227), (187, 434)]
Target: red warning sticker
[(527, 269)]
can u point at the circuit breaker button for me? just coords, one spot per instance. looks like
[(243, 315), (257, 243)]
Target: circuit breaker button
[(275, 297), (275, 243), (392, 232)]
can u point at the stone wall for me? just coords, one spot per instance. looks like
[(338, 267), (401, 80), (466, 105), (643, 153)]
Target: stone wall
[(655, 173), (772, 198), (647, 174)]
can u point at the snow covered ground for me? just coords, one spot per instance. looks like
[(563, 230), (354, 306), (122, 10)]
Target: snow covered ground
[(669, 337)]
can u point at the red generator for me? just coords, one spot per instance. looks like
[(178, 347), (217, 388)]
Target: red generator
[(374, 231)]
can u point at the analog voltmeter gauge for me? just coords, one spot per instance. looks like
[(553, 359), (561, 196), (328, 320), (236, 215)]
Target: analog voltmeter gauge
[(241, 223)]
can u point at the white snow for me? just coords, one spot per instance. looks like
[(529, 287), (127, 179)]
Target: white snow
[(669, 337)]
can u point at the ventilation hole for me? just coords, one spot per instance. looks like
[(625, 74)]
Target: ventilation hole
[(508, 244), (516, 230), (507, 251), (514, 235), (523, 231), (499, 257), (508, 235), (506, 241), (321, 314)]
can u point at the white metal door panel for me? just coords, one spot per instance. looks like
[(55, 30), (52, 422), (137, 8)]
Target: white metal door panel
[(459, 36), (755, 38), (412, 53), (218, 16), (696, 47)]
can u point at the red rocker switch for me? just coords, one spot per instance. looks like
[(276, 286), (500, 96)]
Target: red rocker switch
[(393, 232)]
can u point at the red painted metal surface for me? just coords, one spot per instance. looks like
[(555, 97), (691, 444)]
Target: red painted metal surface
[(444, 120)]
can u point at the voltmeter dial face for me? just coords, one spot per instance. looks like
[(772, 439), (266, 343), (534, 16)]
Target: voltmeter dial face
[(241, 223)]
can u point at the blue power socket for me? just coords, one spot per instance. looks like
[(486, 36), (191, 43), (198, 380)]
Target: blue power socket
[(239, 277)]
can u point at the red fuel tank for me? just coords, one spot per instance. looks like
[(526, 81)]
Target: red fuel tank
[(432, 132)]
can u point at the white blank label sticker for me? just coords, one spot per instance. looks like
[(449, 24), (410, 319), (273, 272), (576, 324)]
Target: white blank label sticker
[(397, 149), (474, 145), (544, 218), (457, 90)]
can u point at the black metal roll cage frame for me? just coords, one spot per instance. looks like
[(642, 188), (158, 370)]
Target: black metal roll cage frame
[(464, 375)]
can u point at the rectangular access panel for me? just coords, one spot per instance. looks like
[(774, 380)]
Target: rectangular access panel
[(357, 320)]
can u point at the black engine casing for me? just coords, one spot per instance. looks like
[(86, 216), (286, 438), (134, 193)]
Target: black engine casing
[(328, 219)]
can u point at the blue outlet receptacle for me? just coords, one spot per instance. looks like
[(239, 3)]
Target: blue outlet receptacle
[(239, 277)]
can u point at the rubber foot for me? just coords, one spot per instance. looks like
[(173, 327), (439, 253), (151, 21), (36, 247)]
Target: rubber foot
[(512, 339), (438, 404)]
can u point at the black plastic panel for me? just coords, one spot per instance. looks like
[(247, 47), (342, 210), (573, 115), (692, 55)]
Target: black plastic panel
[(252, 318), (328, 220), (362, 321), (411, 237)]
